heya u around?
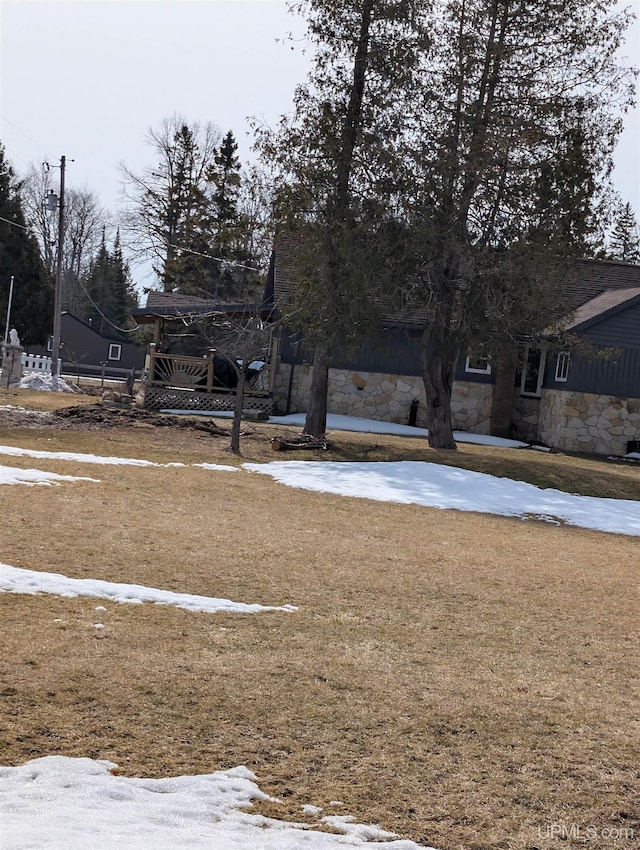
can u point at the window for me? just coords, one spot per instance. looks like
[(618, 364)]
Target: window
[(477, 365), (533, 371), (115, 351), (562, 366), (50, 344)]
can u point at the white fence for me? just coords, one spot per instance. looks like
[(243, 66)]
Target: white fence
[(36, 363)]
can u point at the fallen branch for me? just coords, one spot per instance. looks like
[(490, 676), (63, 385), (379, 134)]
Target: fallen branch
[(305, 441)]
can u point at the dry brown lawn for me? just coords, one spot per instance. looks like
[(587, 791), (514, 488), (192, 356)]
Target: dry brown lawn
[(465, 680)]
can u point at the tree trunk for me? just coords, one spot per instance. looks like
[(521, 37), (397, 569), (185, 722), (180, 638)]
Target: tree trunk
[(316, 422), (437, 376), (339, 214), (237, 412)]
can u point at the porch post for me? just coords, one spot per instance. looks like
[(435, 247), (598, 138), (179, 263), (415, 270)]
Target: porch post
[(210, 373)]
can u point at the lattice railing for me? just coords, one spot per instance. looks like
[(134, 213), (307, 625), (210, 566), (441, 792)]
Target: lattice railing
[(169, 398)]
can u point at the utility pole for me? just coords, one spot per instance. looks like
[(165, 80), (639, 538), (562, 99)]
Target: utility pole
[(57, 307), (6, 330)]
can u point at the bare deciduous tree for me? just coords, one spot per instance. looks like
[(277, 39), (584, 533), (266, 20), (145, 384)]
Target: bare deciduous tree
[(86, 225)]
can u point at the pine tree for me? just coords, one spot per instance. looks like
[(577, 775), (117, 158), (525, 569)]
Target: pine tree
[(124, 297), (32, 303), (169, 213), (624, 241), (333, 158), (109, 292), (518, 113), (96, 288), (225, 177)]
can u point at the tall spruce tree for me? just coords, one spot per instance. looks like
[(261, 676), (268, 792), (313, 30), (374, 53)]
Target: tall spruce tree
[(225, 177), (32, 303), (183, 212), (168, 212), (624, 241), (109, 293)]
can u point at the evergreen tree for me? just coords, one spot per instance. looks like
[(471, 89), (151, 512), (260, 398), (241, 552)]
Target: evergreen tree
[(624, 241), (519, 111), (109, 294), (184, 214), (169, 213), (124, 297), (32, 303), (225, 177), (333, 159)]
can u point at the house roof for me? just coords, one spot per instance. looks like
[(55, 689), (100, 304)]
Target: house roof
[(589, 280), (594, 277), (598, 308), (68, 316)]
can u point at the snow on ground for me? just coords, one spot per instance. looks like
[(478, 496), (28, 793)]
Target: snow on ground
[(409, 482), (32, 477), (79, 804), (78, 457), (43, 382), (17, 580), (436, 486), (336, 422)]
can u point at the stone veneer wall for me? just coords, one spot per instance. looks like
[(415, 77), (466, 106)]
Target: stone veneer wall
[(525, 413), (387, 398), (587, 422)]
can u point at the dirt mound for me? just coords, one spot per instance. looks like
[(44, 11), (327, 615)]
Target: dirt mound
[(22, 418), (101, 416)]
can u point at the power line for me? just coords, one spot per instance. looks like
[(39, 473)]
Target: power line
[(33, 141), (233, 263), (14, 223), (99, 311)]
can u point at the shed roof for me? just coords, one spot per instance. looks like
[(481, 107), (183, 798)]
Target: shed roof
[(170, 305)]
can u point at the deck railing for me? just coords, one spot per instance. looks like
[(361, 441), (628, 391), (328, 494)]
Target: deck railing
[(185, 373), (174, 382)]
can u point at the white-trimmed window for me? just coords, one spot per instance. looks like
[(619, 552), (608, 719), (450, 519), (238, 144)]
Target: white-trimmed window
[(562, 366), (477, 365), (50, 344), (115, 351), (533, 371)]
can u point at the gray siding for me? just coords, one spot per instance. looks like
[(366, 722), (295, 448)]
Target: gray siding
[(621, 330), (618, 375), (396, 353)]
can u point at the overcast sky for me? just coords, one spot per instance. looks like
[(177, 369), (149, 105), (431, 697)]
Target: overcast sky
[(87, 78)]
